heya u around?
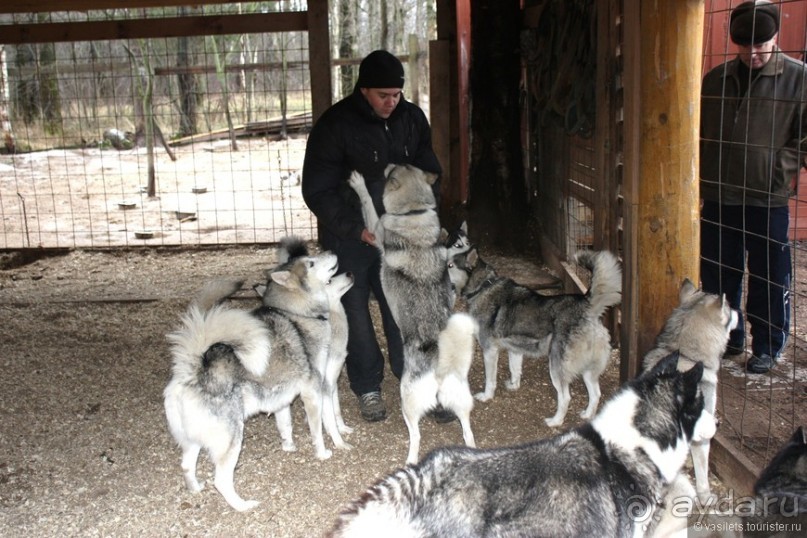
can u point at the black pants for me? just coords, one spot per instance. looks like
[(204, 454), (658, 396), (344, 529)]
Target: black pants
[(365, 361), (728, 234)]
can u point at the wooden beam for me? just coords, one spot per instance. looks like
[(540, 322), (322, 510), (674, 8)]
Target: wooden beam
[(662, 112), (668, 197), (160, 27), (319, 57), (44, 6)]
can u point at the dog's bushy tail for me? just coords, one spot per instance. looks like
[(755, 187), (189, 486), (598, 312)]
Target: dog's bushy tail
[(194, 344), (387, 506), (606, 280), (456, 346), (291, 247), (214, 292)]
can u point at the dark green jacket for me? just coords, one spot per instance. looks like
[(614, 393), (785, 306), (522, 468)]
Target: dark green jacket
[(752, 145)]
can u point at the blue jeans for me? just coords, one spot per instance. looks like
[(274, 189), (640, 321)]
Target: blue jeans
[(728, 234), (365, 361)]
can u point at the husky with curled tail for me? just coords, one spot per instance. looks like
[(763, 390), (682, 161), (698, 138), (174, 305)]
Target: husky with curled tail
[(438, 347), (604, 478), (216, 351), (231, 364), (567, 328)]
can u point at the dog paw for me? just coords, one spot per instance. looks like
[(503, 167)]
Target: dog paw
[(344, 446), (356, 180), (585, 414), (553, 422), (243, 506), (344, 429), (288, 446), (324, 454), (483, 396), (193, 485), (512, 385)]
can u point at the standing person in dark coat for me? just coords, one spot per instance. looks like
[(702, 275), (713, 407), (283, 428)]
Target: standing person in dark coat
[(753, 142), (366, 131)]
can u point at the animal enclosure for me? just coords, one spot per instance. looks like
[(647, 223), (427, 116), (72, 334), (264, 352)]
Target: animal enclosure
[(198, 141)]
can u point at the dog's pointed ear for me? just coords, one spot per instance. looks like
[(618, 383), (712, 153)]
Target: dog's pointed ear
[(464, 227), (693, 376), (799, 437), (282, 278), (687, 290), (443, 235), (430, 178), (472, 258), (665, 366)]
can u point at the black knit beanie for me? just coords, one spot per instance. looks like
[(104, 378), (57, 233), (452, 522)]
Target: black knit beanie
[(754, 22), (380, 69)]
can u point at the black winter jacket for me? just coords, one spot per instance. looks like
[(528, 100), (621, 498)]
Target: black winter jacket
[(350, 136)]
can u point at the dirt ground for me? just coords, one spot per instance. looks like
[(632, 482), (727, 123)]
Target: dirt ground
[(85, 450)]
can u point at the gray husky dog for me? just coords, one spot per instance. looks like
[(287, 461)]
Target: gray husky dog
[(335, 287), (604, 478), (438, 347), (456, 243), (698, 329), (565, 327), (231, 364)]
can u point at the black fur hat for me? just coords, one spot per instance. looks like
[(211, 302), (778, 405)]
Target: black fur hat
[(380, 69), (754, 22)]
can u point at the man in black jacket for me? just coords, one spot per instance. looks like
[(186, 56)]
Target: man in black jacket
[(371, 128)]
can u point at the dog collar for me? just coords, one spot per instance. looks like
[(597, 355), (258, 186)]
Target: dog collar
[(413, 212), (486, 284)]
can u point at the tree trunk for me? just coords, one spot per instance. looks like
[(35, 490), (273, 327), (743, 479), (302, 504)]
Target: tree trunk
[(49, 95), (188, 87), (5, 105), (498, 203), (347, 45)]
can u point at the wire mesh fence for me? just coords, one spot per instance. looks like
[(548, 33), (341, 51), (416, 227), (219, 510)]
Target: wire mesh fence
[(187, 140), (759, 410)]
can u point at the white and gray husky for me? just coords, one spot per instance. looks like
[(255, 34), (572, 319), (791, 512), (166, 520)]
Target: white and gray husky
[(566, 328), (230, 364), (698, 329), (604, 478), (335, 287), (438, 346)]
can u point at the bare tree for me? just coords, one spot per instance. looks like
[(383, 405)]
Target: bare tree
[(347, 44), (188, 85), (5, 105)]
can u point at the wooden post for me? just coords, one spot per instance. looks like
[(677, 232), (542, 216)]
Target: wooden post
[(662, 139), (319, 57), (414, 71)]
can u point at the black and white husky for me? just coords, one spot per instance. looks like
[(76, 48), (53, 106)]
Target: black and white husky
[(605, 478)]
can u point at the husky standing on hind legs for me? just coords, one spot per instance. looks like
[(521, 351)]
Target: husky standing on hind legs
[(438, 347)]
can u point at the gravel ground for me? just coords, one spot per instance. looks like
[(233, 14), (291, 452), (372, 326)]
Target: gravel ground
[(85, 450)]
